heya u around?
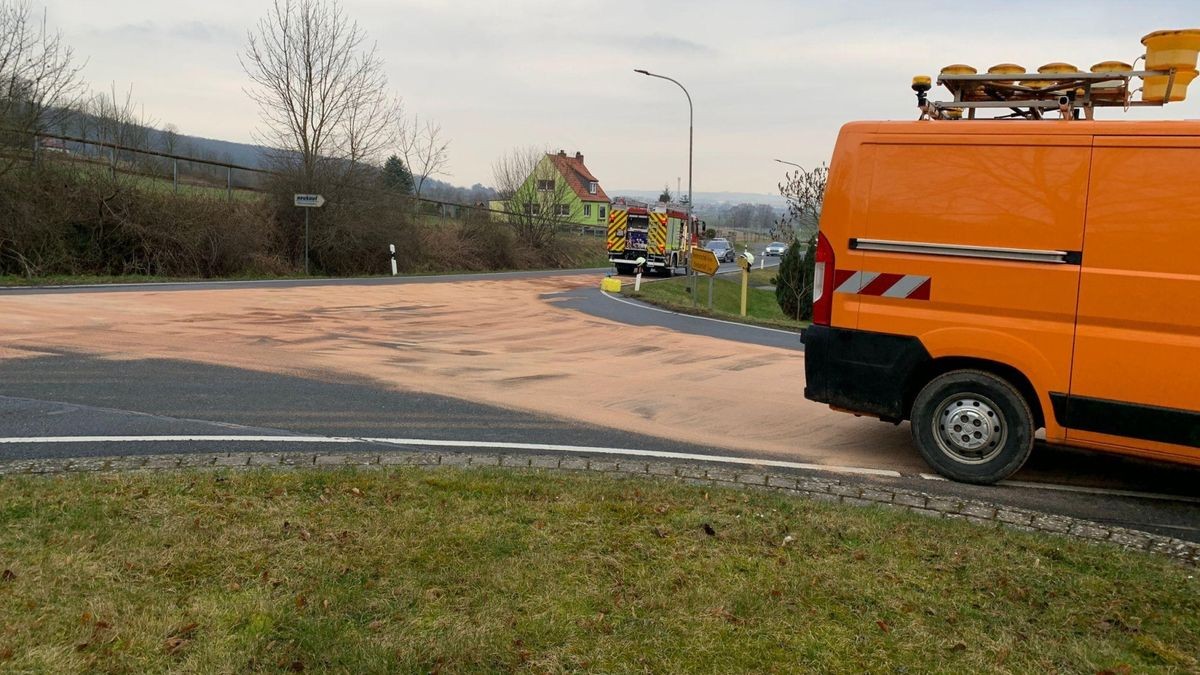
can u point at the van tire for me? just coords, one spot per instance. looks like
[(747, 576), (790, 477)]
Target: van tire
[(972, 426)]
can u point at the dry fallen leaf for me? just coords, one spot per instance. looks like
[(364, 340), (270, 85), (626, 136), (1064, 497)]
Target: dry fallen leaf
[(884, 626), (174, 644), (8, 575)]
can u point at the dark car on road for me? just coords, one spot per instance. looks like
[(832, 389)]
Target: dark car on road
[(775, 248), (722, 249)]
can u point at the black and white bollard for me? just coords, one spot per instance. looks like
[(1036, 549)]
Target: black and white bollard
[(392, 250)]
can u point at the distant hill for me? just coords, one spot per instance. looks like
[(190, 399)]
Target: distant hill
[(708, 198)]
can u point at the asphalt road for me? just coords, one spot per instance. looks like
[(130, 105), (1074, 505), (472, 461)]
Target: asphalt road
[(70, 394)]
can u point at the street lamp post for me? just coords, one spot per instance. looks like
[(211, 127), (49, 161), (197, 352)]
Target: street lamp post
[(689, 204), (690, 120), (792, 163)]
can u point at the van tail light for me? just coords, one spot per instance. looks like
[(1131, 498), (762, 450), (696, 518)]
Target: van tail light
[(823, 271)]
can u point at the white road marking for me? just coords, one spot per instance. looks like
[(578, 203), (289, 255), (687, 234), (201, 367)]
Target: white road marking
[(693, 316), (585, 449), (436, 443), (640, 453)]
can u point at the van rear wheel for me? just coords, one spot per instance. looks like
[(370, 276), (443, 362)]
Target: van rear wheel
[(972, 426)]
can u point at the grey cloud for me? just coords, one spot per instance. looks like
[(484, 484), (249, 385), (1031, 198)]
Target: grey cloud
[(662, 43), (199, 31)]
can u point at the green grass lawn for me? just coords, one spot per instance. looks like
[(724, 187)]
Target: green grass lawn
[(413, 570), (761, 306)]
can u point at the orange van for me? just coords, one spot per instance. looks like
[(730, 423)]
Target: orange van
[(985, 280)]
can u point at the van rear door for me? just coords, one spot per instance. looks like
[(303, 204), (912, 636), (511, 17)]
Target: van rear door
[(1136, 375)]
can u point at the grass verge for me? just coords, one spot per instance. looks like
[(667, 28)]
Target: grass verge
[(444, 570), (761, 307)]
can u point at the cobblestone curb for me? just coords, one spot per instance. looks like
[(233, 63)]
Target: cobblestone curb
[(810, 487)]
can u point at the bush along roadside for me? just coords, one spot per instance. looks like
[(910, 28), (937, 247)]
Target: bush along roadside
[(69, 221)]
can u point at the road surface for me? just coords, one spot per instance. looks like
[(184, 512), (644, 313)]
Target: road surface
[(499, 358)]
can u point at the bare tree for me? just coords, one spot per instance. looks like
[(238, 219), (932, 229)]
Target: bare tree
[(421, 146), (118, 120), (320, 88), (804, 190), (534, 193), (170, 138), (39, 79)]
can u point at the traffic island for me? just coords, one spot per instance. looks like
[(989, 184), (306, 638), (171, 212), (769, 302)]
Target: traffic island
[(481, 562)]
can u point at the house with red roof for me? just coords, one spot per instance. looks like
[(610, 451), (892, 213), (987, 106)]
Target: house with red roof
[(562, 188)]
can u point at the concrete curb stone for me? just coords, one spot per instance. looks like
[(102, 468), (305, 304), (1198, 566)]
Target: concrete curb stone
[(695, 473)]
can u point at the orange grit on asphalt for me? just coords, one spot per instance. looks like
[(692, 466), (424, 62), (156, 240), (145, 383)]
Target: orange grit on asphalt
[(493, 342)]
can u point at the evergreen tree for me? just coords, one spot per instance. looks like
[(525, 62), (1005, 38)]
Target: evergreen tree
[(794, 282), (396, 176), (666, 195)]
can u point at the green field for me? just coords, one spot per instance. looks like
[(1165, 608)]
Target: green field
[(443, 570), (761, 306)]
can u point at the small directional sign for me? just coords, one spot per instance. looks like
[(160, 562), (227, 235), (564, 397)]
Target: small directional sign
[(309, 201), (705, 261)]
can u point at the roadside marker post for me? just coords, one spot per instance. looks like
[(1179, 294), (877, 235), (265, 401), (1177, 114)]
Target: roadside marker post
[(308, 202), (746, 262), (637, 279), (392, 251)]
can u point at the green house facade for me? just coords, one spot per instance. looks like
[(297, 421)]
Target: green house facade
[(561, 187)]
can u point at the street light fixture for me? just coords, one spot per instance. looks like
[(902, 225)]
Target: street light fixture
[(792, 163), (690, 120)]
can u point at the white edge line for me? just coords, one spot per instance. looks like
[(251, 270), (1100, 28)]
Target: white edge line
[(421, 442), (629, 452), (639, 453), (693, 316)]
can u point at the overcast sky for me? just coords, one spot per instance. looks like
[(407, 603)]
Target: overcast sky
[(769, 79)]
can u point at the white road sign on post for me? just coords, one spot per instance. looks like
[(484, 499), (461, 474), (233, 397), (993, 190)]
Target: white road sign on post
[(307, 202)]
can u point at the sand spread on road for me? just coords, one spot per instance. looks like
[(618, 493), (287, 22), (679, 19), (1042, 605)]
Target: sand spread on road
[(495, 342)]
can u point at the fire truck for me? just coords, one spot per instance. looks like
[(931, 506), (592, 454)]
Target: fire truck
[(662, 234)]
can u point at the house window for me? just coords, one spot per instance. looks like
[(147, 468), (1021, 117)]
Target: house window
[(532, 209), (592, 187), (545, 185), (587, 210), (564, 209), (602, 212)]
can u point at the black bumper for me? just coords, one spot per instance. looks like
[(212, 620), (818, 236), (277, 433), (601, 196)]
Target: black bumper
[(862, 371)]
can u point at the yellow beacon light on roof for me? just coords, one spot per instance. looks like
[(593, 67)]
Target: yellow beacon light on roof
[(1166, 49)]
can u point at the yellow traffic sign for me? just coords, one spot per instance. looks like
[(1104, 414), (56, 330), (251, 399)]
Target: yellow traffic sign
[(704, 261)]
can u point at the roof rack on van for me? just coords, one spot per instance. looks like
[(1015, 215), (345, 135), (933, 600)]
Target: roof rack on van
[(1170, 66)]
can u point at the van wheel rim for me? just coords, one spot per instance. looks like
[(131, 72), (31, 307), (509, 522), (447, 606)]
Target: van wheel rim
[(970, 428)]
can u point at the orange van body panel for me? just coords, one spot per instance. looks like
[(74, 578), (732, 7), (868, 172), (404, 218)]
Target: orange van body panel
[(1119, 324)]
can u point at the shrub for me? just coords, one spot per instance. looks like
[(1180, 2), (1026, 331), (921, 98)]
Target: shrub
[(794, 282)]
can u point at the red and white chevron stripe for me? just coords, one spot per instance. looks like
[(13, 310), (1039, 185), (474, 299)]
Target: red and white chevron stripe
[(883, 284)]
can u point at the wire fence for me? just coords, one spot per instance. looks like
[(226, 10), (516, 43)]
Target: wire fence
[(184, 174)]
